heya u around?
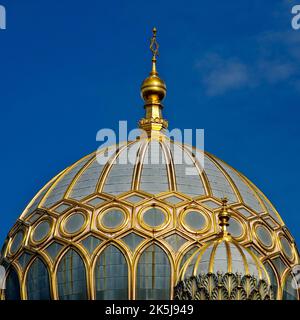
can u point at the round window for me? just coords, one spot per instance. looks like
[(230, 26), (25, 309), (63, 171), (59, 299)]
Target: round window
[(41, 231), (264, 236), (17, 242), (286, 248), (154, 217), (113, 218), (74, 223), (194, 220)]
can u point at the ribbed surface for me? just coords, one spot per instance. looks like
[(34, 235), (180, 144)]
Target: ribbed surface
[(144, 164), (223, 256)]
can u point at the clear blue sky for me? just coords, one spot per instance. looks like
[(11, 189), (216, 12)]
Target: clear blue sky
[(69, 68)]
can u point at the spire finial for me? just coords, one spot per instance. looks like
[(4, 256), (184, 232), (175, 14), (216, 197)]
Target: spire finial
[(224, 217), (153, 91), (154, 46)]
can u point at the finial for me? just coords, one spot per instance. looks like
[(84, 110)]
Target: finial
[(153, 91), (224, 217), (154, 49)]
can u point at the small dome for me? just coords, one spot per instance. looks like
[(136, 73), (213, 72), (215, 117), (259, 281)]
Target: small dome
[(224, 255)]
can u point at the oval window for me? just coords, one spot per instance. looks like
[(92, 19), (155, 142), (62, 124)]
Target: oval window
[(17, 242), (194, 220), (154, 217), (41, 231), (113, 218), (74, 223)]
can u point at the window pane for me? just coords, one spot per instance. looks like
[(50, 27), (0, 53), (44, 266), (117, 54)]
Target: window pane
[(12, 286), (38, 287), (111, 275), (71, 277), (153, 275), (289, 291)]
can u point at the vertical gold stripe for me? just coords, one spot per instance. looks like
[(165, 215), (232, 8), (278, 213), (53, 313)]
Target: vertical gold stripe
[(212, 257), (136, 178), (170, 166)]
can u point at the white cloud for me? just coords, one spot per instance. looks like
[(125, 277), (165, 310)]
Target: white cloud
[(223, 75)]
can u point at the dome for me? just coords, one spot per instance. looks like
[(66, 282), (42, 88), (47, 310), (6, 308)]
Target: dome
[(121, 222), (223, 269)]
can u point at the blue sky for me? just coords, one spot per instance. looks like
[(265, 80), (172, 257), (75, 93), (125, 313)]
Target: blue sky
[(69, 68)]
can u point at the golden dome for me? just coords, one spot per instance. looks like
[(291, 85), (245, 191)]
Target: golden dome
[(104, 221), (224, 261)]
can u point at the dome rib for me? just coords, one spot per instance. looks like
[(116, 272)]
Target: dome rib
[(203, 188), (227, 177), (170, 166), (58, 188), (136, 177), (154, 176), (77, 177), (107, 167), (248, 195), (119, 177), (35, 202), (220, 185)]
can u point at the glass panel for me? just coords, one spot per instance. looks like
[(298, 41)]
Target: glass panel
[(53, 250), (287, 249), (134, 199), (41, 231), (187, 175), (289, 291), (187, 256), (273, 278), (218, 182), (24, 259), (94, 202), (38, 286), (264, 236), (113, 218), (195, 220), (153, 275), (71, 277), (211, 204), (120, 176), (58, 191), (111, 275), (279, 265), (175, 241), (12, 286), (154, 176), (91, 243), (154, 217), (74, 223), (63, 208), (173, 199), (17, 242), (247, 193), (132, 240)]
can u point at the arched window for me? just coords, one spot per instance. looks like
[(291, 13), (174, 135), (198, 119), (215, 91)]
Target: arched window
[(37, 283), (290, 291), (153, 275), (273, 278), (12, 286), (111, 275), (71, 277)]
